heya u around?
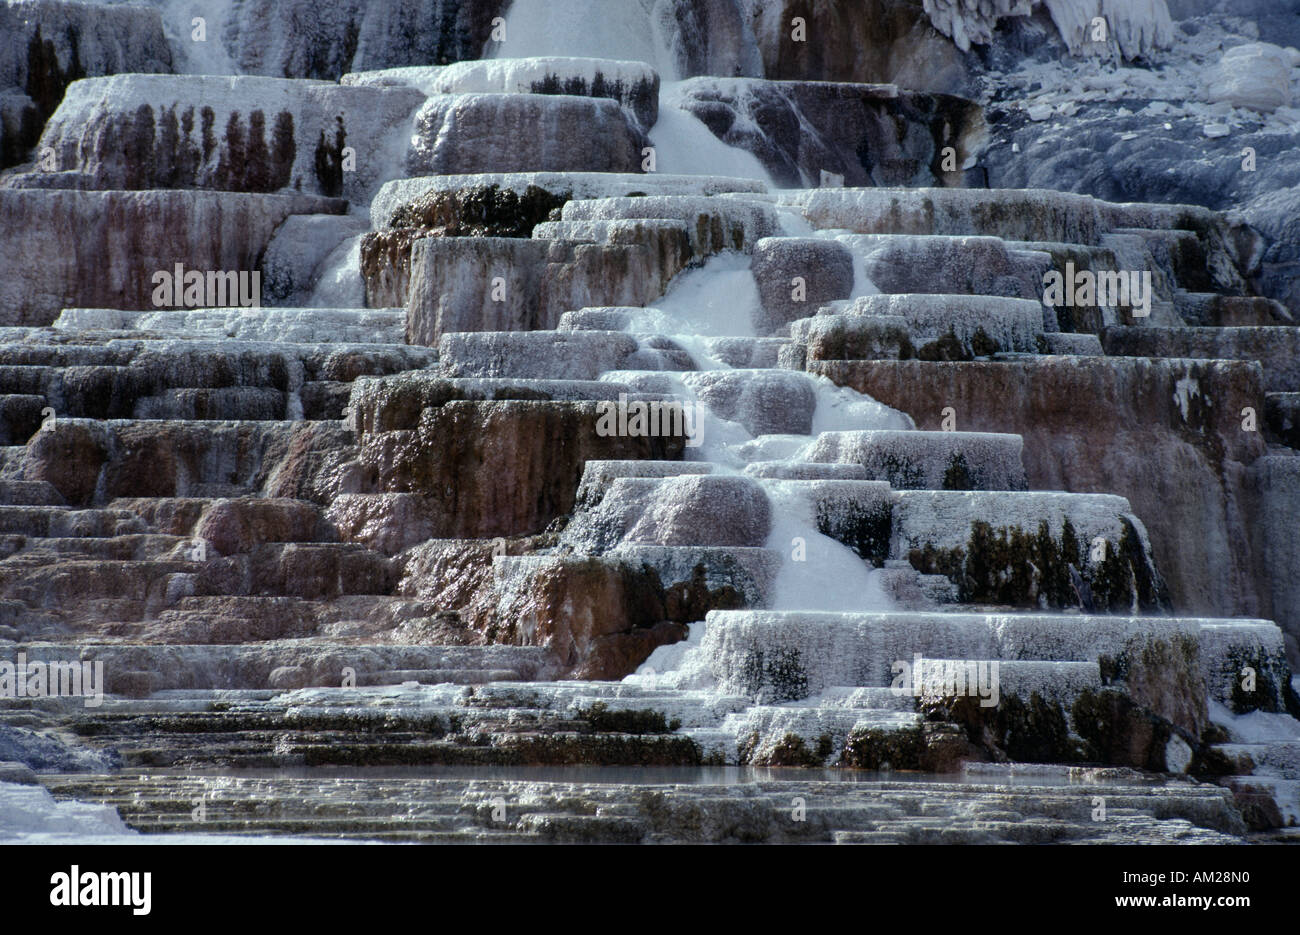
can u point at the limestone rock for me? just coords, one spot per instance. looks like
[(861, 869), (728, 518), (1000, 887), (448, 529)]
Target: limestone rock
[(148, 231), (582, 355), (1137, 27), (244, 134), (935, 264), (509, 284), (869, 134), (876, 41), (327, 39), (443, 460), (765, 403), (927, 460), (635, 85), (971, 325), (705, 37), (684, 510), (523, 132), (44, 753), (601, 619), (1082, 433), (825, 269), (1274, 214), (389, 523), (393, 195), (1256, 76), (297, 252), (239, 525), (49, 44)]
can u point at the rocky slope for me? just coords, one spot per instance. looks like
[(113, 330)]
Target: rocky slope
[(658, 392)]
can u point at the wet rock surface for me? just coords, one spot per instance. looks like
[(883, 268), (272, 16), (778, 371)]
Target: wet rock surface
[(481, 133), (784, 293), (49, 44), (245, 134), (868, 135), (985, 809), (538, 457)]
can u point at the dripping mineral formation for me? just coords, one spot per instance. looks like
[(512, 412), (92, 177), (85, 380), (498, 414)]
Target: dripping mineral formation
[(449, 391)]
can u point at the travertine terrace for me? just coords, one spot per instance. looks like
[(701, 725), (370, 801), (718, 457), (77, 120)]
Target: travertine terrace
[(647, 412)]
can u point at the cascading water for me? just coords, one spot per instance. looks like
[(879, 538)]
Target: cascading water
[(757, 425), (715, 300), (628, 31), (817, 572), (201, 52), (685, 146), (339, 283), (680, 38)]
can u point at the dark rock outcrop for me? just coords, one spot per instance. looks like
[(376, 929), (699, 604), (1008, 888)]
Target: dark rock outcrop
[(868, 134), (873, 41), (328, 39), (48, 44)]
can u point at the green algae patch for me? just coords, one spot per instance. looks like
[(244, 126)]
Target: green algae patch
[(1013, 567), (779, 674), (957, 475), (929, 747), (790, 750), (601, 719), (864, 527), (1036, 730)]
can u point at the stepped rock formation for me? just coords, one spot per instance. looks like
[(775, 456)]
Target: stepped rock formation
[(499, 448), (49, 44), (135, 131), (121, 239)]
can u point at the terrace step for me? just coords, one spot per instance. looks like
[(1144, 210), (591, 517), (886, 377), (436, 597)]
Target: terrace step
[(289, 325), (928, 460), (983, 809), (1276, 348)]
